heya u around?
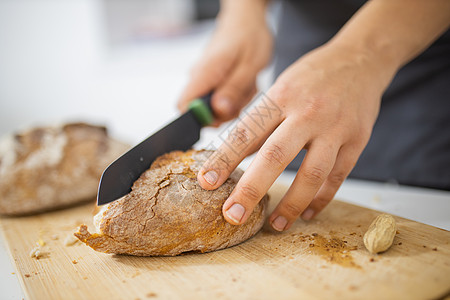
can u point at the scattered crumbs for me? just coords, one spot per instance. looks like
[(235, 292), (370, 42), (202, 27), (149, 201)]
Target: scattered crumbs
[(54, 237), (424, 246), (353, 233), (397, 232), (41, 242), (233, 279), (74, 262), (434, 249), (372, 259), (85, 277), (35, 273), (358, 225), (314, 234), (151, 295), (70, 240), (400, 243), (27, 275), (333, 249)]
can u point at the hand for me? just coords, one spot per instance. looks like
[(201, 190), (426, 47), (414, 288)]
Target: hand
[(241, 46), (328, 102)]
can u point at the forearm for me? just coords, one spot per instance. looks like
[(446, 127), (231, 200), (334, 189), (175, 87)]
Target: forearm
[(393, 32)]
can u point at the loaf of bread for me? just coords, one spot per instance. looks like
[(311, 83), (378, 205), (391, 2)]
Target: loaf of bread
[(168, 213), (52, 167)]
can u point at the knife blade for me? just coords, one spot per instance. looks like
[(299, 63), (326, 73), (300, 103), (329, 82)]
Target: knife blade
[(180, 134)]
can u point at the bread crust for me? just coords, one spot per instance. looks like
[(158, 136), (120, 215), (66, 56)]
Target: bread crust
[(53, 167), (168, 213)]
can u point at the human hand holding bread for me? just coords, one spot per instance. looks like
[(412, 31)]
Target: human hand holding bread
[(329, 100)]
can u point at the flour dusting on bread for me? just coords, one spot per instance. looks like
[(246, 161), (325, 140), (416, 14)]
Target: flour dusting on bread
[(50, 167)]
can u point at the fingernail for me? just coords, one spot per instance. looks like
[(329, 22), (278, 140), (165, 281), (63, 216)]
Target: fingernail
[(279, 223), (211, 177), (308, 214), (236, 212), (224, 105)]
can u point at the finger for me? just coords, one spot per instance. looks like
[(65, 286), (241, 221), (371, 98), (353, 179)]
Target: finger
[(276, 153), (313, 171), (205, 77), (234, 92), (242, 140), (345, 162)]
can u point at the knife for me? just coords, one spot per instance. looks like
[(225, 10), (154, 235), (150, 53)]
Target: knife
[(180, 134)]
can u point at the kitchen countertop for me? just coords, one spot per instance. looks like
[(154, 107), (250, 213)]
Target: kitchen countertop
[(68, 72)]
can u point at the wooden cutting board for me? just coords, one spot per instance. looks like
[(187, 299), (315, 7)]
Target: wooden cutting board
[(321, 259)]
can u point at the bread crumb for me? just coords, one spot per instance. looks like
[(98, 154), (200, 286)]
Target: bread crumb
[(54, 237), (150, 295), (70, 240), (74, 262), (36, 252), (27, 275), (136, 274)]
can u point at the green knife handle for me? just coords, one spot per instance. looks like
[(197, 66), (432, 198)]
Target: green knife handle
[(201, 108)]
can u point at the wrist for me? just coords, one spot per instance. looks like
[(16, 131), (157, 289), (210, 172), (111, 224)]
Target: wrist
[(231, 9), (374, 60)]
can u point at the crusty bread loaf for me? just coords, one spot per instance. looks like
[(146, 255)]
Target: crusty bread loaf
[(168, 213), (52, 167)]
